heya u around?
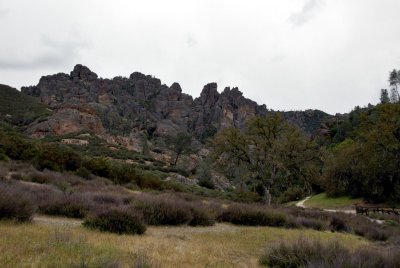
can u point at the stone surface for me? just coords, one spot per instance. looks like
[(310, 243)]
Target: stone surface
[(121, 107)]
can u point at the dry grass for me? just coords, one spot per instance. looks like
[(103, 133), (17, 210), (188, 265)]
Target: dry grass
[(222, 245)]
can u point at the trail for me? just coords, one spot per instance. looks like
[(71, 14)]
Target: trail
[(347, 211), (301, 202), (55, 221)]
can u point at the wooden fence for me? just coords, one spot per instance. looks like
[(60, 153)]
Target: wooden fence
[(366, 210)]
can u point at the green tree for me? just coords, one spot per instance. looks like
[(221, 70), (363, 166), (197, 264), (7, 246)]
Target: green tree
[(394, 81), (179, 144), (384, 96), (269, 151), (369, 165), (204, 174)]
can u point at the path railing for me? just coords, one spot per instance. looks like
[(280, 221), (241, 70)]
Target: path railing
[(363, 210)]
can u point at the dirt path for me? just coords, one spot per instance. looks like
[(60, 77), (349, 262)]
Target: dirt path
[(301, 202), (55, 221), (347, 211)]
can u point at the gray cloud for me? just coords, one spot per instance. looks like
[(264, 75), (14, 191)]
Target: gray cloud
[(340, 60), (191, 40), (306, 13), (54, 53)]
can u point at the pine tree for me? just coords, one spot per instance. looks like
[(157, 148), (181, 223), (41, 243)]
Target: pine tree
[(384, 96), (394, 96), (394, 81)]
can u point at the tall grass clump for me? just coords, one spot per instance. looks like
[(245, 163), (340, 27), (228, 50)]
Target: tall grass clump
[(15, 204)]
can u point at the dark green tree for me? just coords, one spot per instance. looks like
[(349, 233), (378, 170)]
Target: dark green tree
[(368, 166), (270, 151), (179, 144), (394, 81), (384, 96)]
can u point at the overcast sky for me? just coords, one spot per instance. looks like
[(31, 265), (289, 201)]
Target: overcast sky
[(288, 54)]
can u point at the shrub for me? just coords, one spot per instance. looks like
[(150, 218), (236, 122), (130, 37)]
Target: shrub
[(201, 217), (250, 215), (302, 252), (15, 204), (338, 224), (117, 221), (164, 211), (83, 172), (371, 232), (314, 253), (207, 183), (315, 224), (69, 205)]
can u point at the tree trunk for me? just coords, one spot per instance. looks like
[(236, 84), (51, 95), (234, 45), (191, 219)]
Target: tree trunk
[(176, 158), (268, 196)]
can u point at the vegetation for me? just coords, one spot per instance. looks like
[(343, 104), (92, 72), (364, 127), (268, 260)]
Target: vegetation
[(15, 204), (72, 245), (18, 108), (324, 202), (248, 215), (117, 221), (316, 253), (179, 144), (272, 154), (366, 165)]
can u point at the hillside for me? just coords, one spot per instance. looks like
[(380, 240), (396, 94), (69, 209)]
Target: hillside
[(18, 108)]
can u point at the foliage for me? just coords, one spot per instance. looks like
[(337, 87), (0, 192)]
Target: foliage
[(270, 151), (201, 216), (204, 174), (315, 253), (18, 108), (117, 221), (180, 144), (15, 204), (249, 215), (368, 165), (384, 96), (164, 211), (68, 205)]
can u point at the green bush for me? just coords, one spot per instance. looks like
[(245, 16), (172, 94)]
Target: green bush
[(117, 221)]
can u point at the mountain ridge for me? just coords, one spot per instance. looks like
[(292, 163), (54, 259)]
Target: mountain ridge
[(141, 103)]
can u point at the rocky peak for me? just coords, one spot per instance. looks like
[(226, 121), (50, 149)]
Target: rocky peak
[(81, 72), (124, 106), (209, 95), (175, 86)]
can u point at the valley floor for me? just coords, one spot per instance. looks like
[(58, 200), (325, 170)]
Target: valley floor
[(61, 242)]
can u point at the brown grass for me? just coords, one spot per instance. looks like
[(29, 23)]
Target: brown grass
[(222, 245)]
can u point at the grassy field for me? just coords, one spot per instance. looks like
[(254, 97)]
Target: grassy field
[(64, 243), (324, 202)]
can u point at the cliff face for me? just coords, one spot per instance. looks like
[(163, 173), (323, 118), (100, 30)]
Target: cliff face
[(123, 106)]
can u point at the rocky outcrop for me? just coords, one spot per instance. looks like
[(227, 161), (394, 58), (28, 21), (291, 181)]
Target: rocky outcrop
[(126, 107), (122, 106)]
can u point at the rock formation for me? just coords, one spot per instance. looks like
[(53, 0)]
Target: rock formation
[(125, 107)]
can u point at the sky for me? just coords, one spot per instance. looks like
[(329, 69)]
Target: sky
[(288, 54)]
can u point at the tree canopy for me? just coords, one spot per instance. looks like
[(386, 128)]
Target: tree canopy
[(270, 152)]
